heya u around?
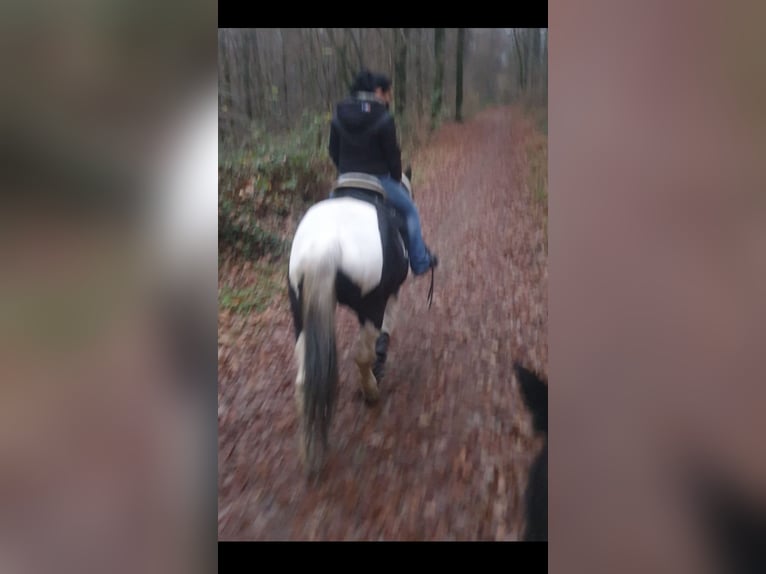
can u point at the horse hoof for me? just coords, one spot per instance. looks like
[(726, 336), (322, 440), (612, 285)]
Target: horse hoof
[(313, 466), (372, 398), (379, 369)]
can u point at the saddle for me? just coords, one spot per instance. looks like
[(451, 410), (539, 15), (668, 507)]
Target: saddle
[(368, 188), (361, 181)]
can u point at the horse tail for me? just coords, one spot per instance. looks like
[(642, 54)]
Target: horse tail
[(321, 366)]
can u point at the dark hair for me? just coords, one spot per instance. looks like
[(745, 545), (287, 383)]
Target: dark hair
[(367, 81), (381, 81), (364, 82)]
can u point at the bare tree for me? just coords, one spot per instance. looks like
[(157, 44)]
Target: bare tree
[(357, 48), (520, 57), (269, 76), (419, 81), (438, 87), (400, 71), (459, 75)]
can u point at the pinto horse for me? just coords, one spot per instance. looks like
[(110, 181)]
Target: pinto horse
[(349, 249)]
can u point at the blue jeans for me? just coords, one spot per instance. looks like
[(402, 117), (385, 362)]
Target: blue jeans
[(397, 196)]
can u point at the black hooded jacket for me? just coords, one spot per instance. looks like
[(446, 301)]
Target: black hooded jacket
[(363, 138)]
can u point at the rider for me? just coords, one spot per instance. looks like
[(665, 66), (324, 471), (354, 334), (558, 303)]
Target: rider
[(363, 139)]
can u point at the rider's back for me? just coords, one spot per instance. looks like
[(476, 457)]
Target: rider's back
[(363, 138)]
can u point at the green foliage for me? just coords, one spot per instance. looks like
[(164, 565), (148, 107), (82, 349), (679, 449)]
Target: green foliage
[(246, 300), (270, 175), (246, 237), (249, 288)]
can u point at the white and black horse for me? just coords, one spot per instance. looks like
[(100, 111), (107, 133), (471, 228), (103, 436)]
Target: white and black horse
[(347, 250)]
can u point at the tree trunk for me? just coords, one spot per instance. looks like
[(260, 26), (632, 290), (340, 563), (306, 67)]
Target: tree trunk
[(323, 84), (459, 76), (545, 66), (438, 87), (346, 74), (301, 83), (360, 57), (519, 58), (419, 71), (400, 77), (248, 85), (223, 87), (284, 78), (255, 58)]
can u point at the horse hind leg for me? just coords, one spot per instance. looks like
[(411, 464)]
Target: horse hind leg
[(299, 397), (299, 356), (365, 356), (381, 345)]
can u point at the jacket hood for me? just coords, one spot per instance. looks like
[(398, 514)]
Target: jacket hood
[(359, 115)]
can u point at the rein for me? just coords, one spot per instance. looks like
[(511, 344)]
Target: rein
[(431, 289)]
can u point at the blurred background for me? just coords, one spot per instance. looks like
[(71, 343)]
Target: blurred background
[(658, 269), (107, 312)]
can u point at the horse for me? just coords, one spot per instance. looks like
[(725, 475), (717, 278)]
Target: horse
[(731, 517), (534, 391), (349, 249)]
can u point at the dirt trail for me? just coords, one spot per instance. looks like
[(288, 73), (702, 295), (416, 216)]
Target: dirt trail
[(445, 454)]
